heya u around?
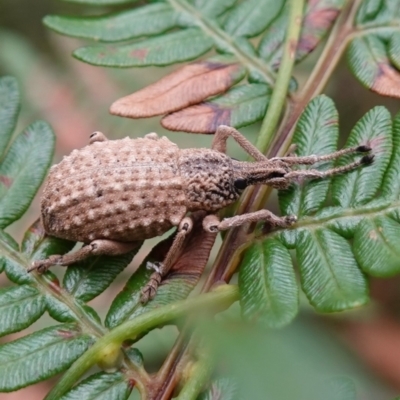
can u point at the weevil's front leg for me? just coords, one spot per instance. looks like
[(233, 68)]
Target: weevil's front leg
[(161, 269), (222, 134), (95, 248), (212, 223)]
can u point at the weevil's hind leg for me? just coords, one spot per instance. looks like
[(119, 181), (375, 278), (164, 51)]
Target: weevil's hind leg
[(97, 137), (309, 160), (161, 269), (95, 248), (212, 223), (222, 134), (314, 173)]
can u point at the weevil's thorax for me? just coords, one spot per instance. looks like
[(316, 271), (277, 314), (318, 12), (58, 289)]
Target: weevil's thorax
[(208, 179)]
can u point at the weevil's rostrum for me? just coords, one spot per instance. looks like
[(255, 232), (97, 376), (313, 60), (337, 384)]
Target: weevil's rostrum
[(112, 194)]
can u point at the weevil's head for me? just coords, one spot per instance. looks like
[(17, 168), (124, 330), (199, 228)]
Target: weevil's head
[(213, 180), (208, 178)]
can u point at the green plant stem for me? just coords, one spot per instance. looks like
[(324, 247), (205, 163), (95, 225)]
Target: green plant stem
[(199, 375), (220, 298), (333, 51), (279, 94)]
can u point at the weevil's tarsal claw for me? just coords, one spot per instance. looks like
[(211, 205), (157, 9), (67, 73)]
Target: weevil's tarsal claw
[(364, 148), (368, 159), (289, 220), (41, 266), (150, 290)]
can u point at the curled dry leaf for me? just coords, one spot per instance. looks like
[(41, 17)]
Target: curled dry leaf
[(189, 85), (240, 106), (203, 118)]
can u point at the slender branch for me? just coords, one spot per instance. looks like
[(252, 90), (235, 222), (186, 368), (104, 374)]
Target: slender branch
[(279, 94), (317, 80), (219, 299)]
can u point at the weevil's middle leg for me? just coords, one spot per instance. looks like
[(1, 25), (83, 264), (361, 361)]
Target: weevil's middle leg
[(222, 134), (161, 269), (212, 223), (312, 159)]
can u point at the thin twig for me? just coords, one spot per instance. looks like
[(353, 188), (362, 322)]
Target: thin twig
[(279, 94)]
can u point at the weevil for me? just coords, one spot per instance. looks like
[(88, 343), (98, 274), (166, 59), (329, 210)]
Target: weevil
[(113, 193)]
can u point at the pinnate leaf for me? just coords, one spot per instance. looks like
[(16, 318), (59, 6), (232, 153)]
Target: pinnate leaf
[(268, 288), (240, 106), (320, 121), (183, 45), (9, 108), (360, 186), (149, 20), (329, 273), (376, 246), (249, 18), (101, 386), (378, 12), (23, 169), (11, 262), (368, 58), (20, 306), (213, 8), (319, 17), (37, 245), (394, 49), (40, 355), (337, 245)]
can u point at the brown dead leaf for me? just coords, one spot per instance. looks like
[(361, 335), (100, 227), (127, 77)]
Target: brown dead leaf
[(201, 118), (189, 85), (387, 81)]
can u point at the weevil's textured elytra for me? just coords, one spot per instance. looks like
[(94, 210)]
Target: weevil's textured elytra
[(111, 194)]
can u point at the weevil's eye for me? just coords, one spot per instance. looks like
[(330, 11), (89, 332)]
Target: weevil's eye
[(240, 183)]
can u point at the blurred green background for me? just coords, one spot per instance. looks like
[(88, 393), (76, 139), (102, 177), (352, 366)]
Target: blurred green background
[(357, 351)]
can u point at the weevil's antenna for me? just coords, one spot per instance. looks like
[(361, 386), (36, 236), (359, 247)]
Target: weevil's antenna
[(312, 159), (314, 173)]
